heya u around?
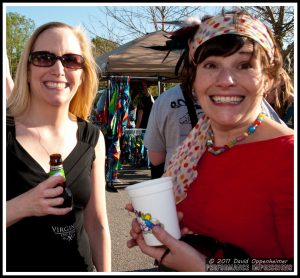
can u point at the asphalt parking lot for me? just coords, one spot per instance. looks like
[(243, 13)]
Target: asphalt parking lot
[(123, 258)]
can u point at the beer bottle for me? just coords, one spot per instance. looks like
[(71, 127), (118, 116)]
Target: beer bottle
[(56, 168)]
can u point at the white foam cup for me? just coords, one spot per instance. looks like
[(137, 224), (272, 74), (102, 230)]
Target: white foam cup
[(154, 204)]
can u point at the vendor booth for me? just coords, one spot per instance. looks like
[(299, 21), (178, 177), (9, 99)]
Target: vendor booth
[(137, 60), (133, 61)]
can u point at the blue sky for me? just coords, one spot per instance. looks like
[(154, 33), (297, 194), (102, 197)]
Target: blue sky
[(42, 14), (86, 14), (83, 14), (73, 15)]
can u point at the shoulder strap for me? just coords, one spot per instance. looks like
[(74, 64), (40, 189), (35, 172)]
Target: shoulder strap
[(88, 132), (191, 108), (10, 125)]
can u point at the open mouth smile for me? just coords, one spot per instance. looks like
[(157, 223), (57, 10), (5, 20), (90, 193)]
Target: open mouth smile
[(56, 85), (227, 99)]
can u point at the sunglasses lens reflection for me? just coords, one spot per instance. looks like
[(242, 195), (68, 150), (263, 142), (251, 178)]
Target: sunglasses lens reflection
[(47, 59), (42, 59), (72, 61)]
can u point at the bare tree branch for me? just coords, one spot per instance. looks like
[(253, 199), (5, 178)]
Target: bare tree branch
[(280, 19), (127, 23)]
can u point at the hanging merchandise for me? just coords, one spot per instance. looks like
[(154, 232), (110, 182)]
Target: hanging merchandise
[(117, 121), (133, 151), (101, 112)]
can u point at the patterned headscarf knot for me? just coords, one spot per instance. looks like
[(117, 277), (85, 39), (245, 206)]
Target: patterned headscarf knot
[(243, 25)]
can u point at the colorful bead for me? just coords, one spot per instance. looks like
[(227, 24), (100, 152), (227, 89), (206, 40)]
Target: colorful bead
[(257, 122), (251, 129), (240, 138)]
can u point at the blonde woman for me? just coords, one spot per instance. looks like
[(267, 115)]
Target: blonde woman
[(55, 85)]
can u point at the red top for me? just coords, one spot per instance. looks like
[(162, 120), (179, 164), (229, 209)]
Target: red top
[(245, 197)]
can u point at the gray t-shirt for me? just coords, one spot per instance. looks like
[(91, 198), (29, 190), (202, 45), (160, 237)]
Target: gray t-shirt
[(270, 112), (169, 122)]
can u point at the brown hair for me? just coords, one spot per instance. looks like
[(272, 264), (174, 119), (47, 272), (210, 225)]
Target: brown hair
[(226, 45)]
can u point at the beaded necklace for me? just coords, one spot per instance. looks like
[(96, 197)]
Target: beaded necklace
[(251, 129)]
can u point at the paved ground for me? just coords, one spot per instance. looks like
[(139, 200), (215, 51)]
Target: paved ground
[(123, 258)]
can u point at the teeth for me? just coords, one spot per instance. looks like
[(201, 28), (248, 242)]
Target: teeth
[(55, 85), (225, 99)]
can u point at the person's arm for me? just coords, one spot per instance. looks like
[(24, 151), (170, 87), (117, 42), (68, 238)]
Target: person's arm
[(157, 157), (9, 80), (155, 142), (154, 139), (157, 163), (181, 257), (39, 201), (95, 213)]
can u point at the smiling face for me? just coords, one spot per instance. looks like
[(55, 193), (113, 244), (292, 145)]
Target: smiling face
[(230, 89), (56, 84)]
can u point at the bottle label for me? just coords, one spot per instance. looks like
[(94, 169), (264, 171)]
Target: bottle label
[(57, 170), (67, 193)]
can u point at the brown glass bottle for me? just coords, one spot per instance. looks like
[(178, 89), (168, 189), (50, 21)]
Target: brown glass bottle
[(56, 168)]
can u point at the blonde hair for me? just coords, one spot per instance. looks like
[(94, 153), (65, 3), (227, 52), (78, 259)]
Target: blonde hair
[(81, 104)]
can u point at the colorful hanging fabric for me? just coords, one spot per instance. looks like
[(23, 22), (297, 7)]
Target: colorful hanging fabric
[(117, 119)]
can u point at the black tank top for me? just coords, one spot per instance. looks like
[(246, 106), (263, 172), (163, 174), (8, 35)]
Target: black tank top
[(50, 243)]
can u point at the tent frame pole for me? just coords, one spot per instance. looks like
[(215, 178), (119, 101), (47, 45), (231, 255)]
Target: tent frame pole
[(134, 77), (159, 79)]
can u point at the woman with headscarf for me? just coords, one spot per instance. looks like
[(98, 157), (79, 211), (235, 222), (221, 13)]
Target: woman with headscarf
[(233, 201)]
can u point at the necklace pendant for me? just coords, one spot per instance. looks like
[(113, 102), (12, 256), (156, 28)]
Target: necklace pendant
[(216, 152), (209, 142)]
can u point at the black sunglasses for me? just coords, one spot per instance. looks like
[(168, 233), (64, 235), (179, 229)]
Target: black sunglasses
[(48, 59)]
